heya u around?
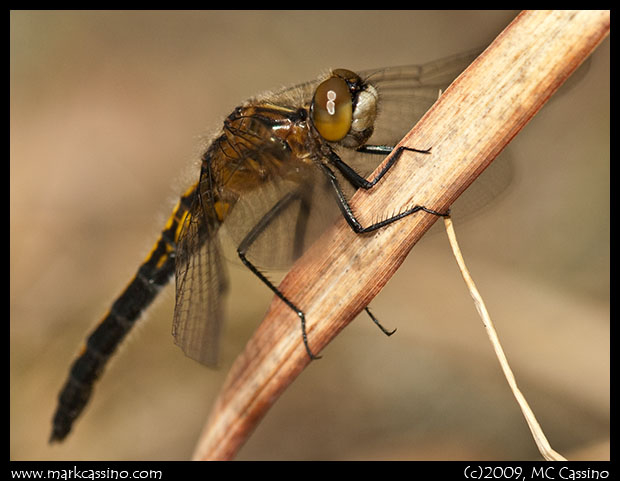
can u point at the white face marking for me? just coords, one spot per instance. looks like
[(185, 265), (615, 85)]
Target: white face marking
[(365, 109)]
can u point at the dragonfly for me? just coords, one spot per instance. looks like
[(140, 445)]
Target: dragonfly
[(281, 169)]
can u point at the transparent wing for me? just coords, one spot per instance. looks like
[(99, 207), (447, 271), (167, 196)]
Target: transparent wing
[(405, 94), (200, 286), (292, 229)]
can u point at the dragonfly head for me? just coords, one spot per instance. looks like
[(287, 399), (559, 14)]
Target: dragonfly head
[(344, 109)]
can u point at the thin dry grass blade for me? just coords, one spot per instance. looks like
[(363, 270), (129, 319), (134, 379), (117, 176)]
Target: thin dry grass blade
[(467, 127)]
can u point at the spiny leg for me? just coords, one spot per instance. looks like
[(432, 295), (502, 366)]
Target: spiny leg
[(350, 217), (254, 233), (376, 321), (358, 181)]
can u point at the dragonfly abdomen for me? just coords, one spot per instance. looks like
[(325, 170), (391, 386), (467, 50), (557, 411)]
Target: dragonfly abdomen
[(152, 275)]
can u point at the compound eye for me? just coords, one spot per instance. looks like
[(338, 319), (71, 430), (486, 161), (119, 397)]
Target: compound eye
[(332, 109)]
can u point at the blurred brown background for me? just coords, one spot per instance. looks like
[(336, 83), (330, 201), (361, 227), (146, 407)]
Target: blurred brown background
[(107, 115)]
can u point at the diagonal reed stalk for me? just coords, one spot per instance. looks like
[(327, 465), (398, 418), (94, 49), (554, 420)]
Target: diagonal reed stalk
[(468, 126)]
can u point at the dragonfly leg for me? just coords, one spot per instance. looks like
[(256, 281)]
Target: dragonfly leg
[(254, 233), (348, 214), (356, 179), (300, 227), (376, 321)]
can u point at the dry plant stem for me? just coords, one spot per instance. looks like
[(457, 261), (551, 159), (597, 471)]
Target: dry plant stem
[(539, 437), (467, 127)]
